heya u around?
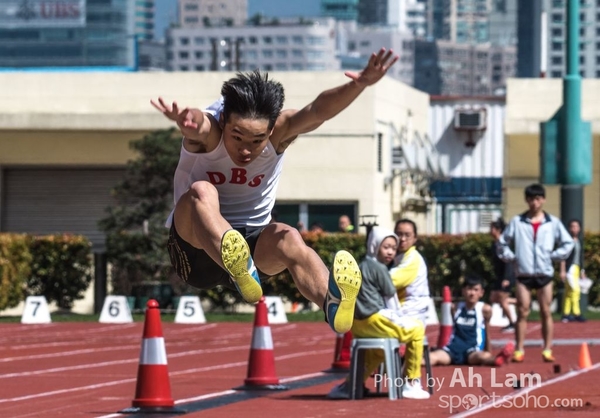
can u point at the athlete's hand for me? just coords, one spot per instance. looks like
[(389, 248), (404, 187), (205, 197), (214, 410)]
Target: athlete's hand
[(378, 65), (185, 118)]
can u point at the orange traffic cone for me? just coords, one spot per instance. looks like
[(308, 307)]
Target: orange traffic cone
[(341, 355), (446, 322), (153, 390), (261, 365), (585, 362)]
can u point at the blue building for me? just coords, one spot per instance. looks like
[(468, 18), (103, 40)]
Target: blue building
[(67, 33)]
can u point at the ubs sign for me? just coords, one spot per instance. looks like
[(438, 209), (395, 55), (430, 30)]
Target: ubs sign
[(42, 13)]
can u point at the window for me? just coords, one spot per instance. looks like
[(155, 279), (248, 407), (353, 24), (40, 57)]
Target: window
[(267, 53), (297, 66), (199, 54), (199, 67), (183, 55), (183, 68), (184, 41), (252, 40), (557, 46), (281, 53), (556, 74), (297, 40), (281, 40), (267, 40), (557, 31), (199, 41), (316, 40), (280, 67), (297, 53), (557, 60), (326, 214), (191, 19)]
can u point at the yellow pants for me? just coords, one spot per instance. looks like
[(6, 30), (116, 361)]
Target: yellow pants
[(406, 330), (572, 292)]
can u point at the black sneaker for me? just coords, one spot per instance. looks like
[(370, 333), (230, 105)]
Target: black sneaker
[(567, 318), (508, 328), (579, 318)]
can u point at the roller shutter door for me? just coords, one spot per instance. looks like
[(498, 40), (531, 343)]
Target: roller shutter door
[(47, 201)]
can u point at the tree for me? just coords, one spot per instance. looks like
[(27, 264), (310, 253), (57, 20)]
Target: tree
[(136, 237), (135, 230)]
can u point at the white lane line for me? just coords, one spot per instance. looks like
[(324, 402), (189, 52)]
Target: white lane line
[(523, 392), (119, 382)]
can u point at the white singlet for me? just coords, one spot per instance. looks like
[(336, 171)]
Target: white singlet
[(246, 194)]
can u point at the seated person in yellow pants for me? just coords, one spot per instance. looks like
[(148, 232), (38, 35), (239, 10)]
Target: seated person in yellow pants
[(373, 318), (570, 273), (470, 340)]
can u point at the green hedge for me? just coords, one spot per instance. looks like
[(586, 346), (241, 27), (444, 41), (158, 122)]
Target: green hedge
[(15, 266), (448, 258), (58, 267)]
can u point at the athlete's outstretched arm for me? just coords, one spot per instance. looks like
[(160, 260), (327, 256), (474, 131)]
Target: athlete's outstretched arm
[(331, 102)]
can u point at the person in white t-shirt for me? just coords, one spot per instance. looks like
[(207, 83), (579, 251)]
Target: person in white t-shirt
[(225, 187)]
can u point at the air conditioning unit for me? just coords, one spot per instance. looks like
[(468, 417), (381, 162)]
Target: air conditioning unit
[(470, 119)]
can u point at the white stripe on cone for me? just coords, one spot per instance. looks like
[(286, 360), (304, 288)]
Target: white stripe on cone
[(153, 351), (261, 338), (447, 314)]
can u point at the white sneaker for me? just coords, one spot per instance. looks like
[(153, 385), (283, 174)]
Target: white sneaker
[(341, 391), (412, 390)]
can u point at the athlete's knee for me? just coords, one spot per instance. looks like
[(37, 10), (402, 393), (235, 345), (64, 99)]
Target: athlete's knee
[(523, 311), (202, 190)]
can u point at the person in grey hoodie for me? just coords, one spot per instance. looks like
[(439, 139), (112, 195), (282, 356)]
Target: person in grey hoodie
[(532, 241), (376, 316)]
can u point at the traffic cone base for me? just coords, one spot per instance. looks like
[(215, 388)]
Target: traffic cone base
[(153, 390), (585, 361), (341, 355), (261, 365)]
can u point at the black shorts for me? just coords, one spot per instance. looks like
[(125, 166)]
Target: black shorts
[(197, 269), (535, 282), (497, 286)]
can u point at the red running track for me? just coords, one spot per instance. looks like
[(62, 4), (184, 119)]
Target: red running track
[(89, 370)]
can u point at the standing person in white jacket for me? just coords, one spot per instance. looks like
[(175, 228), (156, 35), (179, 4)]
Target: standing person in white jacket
[(537, 239)]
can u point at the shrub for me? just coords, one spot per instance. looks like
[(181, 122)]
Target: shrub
[(61, 268), (15, 261)]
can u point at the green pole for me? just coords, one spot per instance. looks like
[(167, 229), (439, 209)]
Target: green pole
[(570, 138)]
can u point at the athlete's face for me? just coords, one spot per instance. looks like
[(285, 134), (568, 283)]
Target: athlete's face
[(245, 138), (472, 294), (387, 250)]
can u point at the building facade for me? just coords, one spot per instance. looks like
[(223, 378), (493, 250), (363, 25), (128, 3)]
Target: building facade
[(468, 134), (69, 33), (208, 13), (405, 15), (144, 19), (287, 46), (447, 68), (528, 103), (340, 9), (532, 41), (361, 42)]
